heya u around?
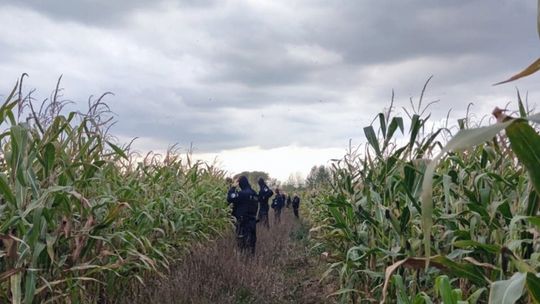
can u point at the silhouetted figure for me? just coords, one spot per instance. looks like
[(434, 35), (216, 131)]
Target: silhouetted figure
[(288, 201), (277, 204), (296, 205), (245, 205), (264, 195)]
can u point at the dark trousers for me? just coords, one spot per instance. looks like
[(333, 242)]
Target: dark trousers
[(277, 215), (246, 234), (263, 220), (295, 210)]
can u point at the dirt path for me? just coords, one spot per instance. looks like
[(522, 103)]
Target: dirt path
[(282, 271)]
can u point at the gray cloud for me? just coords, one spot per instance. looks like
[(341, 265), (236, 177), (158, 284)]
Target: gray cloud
[(102, 12), (228, 74), (396, 30), (91, 12)]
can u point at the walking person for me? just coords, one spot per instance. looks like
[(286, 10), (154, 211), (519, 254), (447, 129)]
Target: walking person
[(245, 205), (277, 204), (264, 195), (296, 205), (288, 200)]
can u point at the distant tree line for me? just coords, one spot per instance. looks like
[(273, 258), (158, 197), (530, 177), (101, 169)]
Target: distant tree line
[(319, 176)]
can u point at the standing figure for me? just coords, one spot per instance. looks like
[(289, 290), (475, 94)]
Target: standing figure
[(296, 205), (264, 195), (245, 205), (288, 200), (277, 204)]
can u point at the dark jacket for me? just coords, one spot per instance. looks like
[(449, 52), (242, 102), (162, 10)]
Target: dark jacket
[(296, 202), (264, 195), (245, 201), (278, 202)]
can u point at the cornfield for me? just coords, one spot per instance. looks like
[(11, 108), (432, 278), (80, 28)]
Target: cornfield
[(422, 213), (399, 228), (79, 214)]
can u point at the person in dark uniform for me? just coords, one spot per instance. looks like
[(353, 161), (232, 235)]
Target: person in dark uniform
[(245, 205), (296, 205), (277, 204), (231, 184), (288, 200), (264, 195)]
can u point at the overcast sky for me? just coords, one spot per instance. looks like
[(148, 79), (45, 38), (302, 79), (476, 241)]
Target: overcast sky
[(286, 83)]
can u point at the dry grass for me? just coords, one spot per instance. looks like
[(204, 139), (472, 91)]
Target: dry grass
[(281, 271)]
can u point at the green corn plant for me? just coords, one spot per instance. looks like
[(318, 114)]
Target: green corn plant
[(524, 143), (80, 214), (470, 210), (372, 222)]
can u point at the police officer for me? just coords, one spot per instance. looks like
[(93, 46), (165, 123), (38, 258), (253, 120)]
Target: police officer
[(296, 205), (232, 185), (288, 200), (245, 205), (264, 195), (277, 204)]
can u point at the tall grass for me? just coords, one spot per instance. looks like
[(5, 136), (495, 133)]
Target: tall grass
[(215, 272), (484, 215), (79, 213)]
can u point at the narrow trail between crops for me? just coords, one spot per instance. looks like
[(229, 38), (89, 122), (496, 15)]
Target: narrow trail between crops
[(282, 271)]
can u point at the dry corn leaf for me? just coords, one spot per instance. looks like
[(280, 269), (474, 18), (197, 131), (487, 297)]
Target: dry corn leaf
[(531, 69)]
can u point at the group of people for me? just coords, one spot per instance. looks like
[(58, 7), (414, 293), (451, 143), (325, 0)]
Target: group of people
[(250, 208), (281, 200)]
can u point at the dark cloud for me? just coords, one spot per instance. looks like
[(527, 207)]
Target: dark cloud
[(93, 12), (392, 31), (102, 12)]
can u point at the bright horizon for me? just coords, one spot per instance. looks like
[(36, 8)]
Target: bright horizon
[(279, 162)]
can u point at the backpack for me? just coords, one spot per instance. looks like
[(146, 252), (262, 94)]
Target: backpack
[(274, 202)]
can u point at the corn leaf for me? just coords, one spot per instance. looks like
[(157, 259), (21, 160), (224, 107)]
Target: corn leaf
[(372, 139), (8, 273), (538, 18), (118, 150), (444, 289), (507, 291), (49, 156), (465, 138), (16, 293), (397, 122), (525, 143), (470, 272), (533, 286), (531, 69), (473, 298), (5, 189), (401, 291), (522, 110)]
